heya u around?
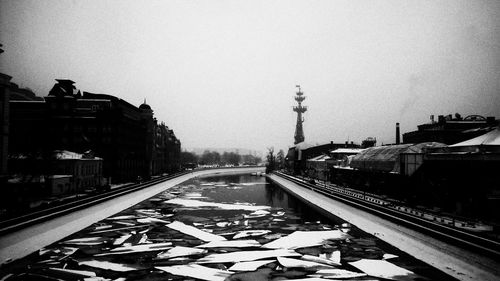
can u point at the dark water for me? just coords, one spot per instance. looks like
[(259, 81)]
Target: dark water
[(286, 215), (264, 192)]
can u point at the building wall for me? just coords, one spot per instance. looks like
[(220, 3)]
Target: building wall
[(87, 173), (4, 124), (317, 169), (28, 133), (451, 130), (128, 138), (60, 184), (300, 157)]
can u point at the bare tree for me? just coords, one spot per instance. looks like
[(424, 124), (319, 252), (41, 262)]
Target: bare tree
[(271, 160), (280, 159), (188, 158)]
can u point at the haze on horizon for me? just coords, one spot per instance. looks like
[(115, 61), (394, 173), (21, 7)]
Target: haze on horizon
[(223, 73)]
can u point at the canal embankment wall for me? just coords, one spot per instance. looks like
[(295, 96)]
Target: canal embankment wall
[(456, 262), (20, 243)]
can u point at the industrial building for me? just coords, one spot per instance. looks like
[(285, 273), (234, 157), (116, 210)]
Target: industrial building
[(297, 156), (451, 129)]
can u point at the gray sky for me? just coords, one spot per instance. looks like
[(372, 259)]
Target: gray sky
[(223, 73)]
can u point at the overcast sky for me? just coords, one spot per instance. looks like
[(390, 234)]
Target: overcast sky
[(223, 73)]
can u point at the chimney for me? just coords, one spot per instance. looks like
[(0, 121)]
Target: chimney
[(432, 119), (397, 134)]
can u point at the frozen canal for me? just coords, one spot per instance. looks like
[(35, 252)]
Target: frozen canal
[(237, 227)]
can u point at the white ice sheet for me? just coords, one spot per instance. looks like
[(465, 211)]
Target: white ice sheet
[(151, 220), (247, 256), (389, 256), (288, 262), (86, 241), (337, 273), (108, 265), (195, 232), (249, 265), (230, 244), (138, 249), (246, 233), (180, 251), (124, 217), (382, 269), (322, 260), (301, 239), (224, 206), (81, 272), (197, 271), (121, 239)]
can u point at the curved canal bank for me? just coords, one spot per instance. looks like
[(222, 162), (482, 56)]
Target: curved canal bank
[(25, 241), (459, 263), (221, 226)]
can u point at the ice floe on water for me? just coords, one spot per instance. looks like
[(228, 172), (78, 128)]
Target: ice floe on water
[(253, 183), (247, 233), (231, 244), (86, 241), (180, 251), (209, 231), (125, 217), (337, 274), (383, 269), (223, 206), (301, 239), (329, 259), (195, 232), (59, 252), (249, 265), (197, 271), (389, 256), (151, 220), (120, 240), (85, 273), (138, 249), (288, 262), (108, 265), (194, 195), (247, 256)]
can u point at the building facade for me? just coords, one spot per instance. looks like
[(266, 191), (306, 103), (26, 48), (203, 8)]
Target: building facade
[(128, 138), (295, 160), (451, 129), (85, 169), (4, 125)]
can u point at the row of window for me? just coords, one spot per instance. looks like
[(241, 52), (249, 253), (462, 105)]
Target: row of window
[(90, 129), (88, 182), (89, 169)]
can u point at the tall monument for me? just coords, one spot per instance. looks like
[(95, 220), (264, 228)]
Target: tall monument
[(299, 131)]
